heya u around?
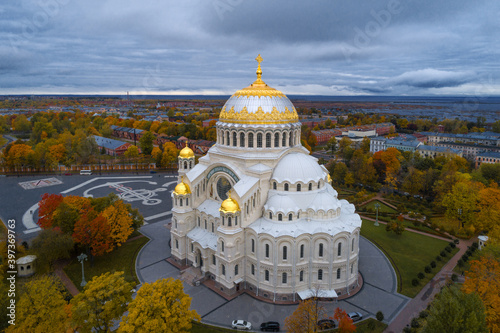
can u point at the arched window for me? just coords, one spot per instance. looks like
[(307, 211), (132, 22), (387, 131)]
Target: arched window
[(187, 201), (190, 164), (274, 185), (250, 140), (198, 221), (285, 253), (234, 139), (283, 278), (223, 270), (276, 140), (253, 245), (301, 276), (270, 215), (185, 164), (320, 274), (280, 217), (283, 141), (319, 184), (267, 250), (310, 186), (291, 139), (290, 216), (214, 261), (338, 273), (320, 249), (227, 139), (266, 275), (286, 187), (352, 268), (176, 243), (236, 220), (223, 220), (213, 227), (299, 187), (180, 202), (268, 140), (352, 245), (235, 270), (242, 139), (259, 140), (222, 246), (253, 269), (206, 226), (229, 221), (222, 138), (339, 249), (302, 251)]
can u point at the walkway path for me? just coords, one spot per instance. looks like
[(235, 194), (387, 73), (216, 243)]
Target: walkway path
[(59, 265), (426, 295)]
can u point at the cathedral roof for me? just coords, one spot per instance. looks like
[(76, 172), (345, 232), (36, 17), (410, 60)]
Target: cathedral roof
[(258, 104), (297, 167)]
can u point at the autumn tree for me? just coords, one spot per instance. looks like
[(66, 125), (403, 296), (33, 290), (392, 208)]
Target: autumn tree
[(46, 209), (103, 300), (345, 323), (132, 152), (50, 245), (94, 232), (160, 306), (120, 222), (454, 311), (345, 149), (146, 142), (397, 226), (170, 153), (488, 217), (19, 155), (461, 203), (332, 144), (483, 279), (306, 316), (41, 308), (339, 172), (413, 182)]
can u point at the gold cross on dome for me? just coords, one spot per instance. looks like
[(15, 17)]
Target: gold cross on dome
[(259, 59), (259, 71)]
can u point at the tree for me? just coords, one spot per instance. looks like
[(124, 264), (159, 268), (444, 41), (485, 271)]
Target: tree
[(161, 306), (50, 245), (414, 181), (46, 208), (103, 300), (454, 311), (41, 308), (170, 153), (94, 232), (339, 172), (132, 152), (332, 144), (146, 142), (461, 203), (305, 317), (345, 323), (345, 149), (488, 217), (365, 145), (397, 226), (19, 155), (120, 222), (483, 279)]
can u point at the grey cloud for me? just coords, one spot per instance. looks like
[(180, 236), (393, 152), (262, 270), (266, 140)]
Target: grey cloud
[(433, 78)]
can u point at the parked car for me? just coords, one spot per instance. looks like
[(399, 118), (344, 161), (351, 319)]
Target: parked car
[(325, 324), (270, 326), (241, 325), (355, 316)]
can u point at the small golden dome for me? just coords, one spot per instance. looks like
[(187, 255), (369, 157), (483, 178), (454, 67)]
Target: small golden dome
[(186, 152), (182, 188), (229, 205), (329, 178)]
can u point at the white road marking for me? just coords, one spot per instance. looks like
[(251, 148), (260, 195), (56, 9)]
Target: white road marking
[(28, 218), (149, 218), (168, 184), (97, 178)]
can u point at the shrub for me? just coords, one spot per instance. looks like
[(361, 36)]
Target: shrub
[(420, 275), (379, 315), (460, 263), (414, 282), (452, 245), (469, 253), (465, 257), (447, 249), (406, 330), (475, 245), (433, 264), (438, 258), (415, 323), (456, 241), (454, 277), (423, 314), (428, 269), (443, 254)]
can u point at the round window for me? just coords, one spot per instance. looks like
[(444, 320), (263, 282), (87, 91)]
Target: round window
[(223, 186)]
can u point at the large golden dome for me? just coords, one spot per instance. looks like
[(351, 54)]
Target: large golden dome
[(186, 152), (259, 104), (182, 188), (229, 205)]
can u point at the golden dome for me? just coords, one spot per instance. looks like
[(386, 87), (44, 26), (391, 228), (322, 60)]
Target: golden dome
[(186, 152), (182, 188), (259, 104), (329, 178), (229, 205)]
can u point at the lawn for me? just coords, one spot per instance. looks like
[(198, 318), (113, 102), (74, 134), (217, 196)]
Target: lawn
[(204, 328), (443, 224), (383, 207), (121, 259), (409, 254)]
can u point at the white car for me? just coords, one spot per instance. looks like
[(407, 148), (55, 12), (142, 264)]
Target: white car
[(241, 325), (355, 316)]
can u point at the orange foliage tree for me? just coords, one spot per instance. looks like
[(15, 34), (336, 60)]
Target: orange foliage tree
[(345, 323), (120, 222), (47, 207), (483, 278), (93, 231)]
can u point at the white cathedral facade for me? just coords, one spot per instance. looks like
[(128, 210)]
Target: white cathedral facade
[(258, 212)]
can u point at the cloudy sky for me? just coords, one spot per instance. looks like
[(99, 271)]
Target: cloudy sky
[(320, 47)]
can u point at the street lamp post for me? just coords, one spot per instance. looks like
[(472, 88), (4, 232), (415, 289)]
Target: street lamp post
[(81, 258), (377, 206)]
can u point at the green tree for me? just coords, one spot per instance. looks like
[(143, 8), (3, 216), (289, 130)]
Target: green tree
[(332, 144), (132, 152), (103, 300), (345, 149), (146, 142), (161, 306), (41, 308), (453, 311), (365, 145), (50, 245), (462, 202)]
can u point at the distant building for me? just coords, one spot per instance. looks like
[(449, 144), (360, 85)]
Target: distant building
[(126, 132), (372, 130), (381, 144), (435, 151), (487, 157), (112, 147)]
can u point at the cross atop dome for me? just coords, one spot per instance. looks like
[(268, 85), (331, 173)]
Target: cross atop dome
[(259, 71)]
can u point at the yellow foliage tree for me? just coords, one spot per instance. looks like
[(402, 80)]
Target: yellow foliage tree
[(489, 209), (103, 300), (483, 278), (461, 202), (305, 317), (161, 306), (41, 308), (120, 222), (170, 153)]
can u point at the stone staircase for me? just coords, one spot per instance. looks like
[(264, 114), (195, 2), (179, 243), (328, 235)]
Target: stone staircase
[(192, 276)]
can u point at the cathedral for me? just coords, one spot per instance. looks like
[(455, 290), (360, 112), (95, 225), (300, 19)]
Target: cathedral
[(257, 212)]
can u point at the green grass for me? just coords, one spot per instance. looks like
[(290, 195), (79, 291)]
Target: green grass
[(204, 328), (409, 254), (121, 259), (2, 140), (443, 224), (383, 207)]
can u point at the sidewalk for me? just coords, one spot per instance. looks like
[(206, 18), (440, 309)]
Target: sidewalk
[(426, 295), (59, 265)]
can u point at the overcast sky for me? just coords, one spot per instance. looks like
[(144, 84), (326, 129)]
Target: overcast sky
[(320, 47)]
